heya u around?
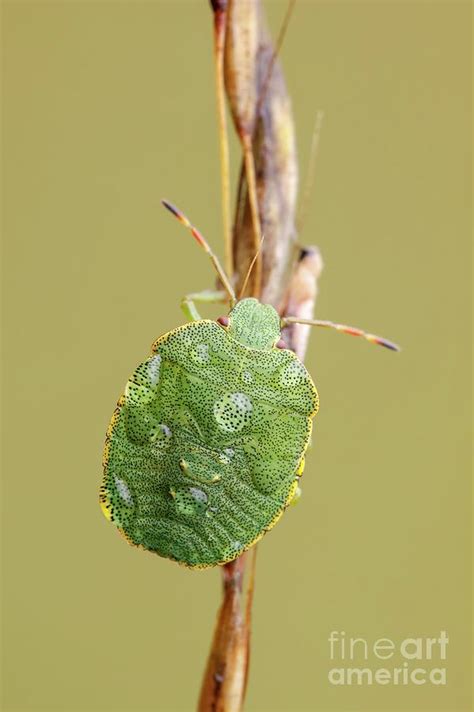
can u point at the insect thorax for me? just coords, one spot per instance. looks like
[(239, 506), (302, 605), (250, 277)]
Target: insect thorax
[(254, 324)]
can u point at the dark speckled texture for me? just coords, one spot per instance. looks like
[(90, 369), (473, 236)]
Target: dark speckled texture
[(202, 452)]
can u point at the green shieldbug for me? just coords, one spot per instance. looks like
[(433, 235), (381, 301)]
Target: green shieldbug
[(207, 443)]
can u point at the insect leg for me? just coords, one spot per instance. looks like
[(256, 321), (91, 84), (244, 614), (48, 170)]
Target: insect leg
[(207, 296), (296, 496)]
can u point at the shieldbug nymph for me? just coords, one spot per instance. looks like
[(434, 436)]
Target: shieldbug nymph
[(206, 445)]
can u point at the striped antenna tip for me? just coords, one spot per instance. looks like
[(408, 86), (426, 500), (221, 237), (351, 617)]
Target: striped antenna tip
[(388, 344), (172, 208)]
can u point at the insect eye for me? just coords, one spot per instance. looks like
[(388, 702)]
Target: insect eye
[(281, 344), (223, 320)]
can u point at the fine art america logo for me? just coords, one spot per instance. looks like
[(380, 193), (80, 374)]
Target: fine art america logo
[(411, 661)]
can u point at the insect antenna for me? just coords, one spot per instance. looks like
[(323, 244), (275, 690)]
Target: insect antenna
[(343, 328), (204, 244), (249, 271)]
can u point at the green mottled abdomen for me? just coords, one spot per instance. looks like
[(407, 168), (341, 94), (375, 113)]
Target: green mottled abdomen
[(203, 449)]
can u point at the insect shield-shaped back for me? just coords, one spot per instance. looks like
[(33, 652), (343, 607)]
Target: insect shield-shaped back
[(203, 452)]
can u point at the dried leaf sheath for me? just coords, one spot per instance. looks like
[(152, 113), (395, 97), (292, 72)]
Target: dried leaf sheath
[(300, 298), (241, 75), (260, 104)]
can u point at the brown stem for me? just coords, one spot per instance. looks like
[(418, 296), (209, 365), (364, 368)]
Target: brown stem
[(261, 109), (224, 682), (220, 19), (254, 210)]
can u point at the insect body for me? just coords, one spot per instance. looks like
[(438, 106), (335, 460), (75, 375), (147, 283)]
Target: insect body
[(207, 443), (204, 449)]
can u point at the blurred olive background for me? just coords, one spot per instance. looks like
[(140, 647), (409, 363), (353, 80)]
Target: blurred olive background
[(109, 106)]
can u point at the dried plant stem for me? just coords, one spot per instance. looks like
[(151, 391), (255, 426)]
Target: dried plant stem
[(309, 182), (278, 45), (226, 676), (220, 18), (224, 682), (254, 210), (261, 111)]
